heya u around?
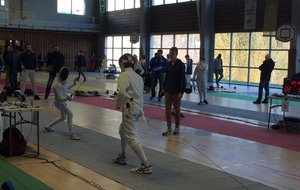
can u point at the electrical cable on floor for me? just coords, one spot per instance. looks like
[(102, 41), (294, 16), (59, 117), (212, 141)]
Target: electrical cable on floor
[(214, 163), (53, 162), (66, 170)]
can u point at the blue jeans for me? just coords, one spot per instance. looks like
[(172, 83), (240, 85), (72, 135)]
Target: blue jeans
[(13, 80), (263, 85), (154, 78), (49, 84), (80, 72)]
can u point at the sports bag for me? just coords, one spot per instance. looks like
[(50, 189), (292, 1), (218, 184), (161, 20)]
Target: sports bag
[(18, 142)]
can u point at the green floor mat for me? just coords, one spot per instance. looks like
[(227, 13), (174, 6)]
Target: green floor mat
[(19, 178), (245, 97)]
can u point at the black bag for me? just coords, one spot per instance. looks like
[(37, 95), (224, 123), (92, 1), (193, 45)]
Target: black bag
[(28, 92), (18, 142), (8, 90), (210, 88)]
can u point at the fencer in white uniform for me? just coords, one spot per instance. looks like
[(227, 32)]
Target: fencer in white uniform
[(130, 99), (61, 97)]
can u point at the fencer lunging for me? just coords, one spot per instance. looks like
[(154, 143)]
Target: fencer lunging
[(61, 97)]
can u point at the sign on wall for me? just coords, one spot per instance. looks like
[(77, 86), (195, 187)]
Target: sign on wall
[(250, 15), (134, 38)]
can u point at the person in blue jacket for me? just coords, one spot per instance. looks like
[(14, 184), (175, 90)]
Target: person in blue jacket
[(157, 69), (189, 70)]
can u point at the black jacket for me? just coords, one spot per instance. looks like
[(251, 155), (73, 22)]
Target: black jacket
[(57, 60), (266, 69), (28, 59), (175, 81)]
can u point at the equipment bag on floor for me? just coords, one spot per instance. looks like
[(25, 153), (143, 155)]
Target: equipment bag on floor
[(18, 142)]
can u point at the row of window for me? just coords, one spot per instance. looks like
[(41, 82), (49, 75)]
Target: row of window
[(114, 5), (77, 7), (242, 53)]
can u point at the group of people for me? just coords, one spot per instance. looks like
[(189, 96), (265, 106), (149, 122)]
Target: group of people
[(25, 63), (173, 76), (157, 70), (22, 62)]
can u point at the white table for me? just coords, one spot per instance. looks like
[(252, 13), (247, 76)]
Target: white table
[(12, 111)]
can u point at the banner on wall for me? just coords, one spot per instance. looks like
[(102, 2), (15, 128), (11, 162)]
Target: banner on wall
[(250, 15), (270, 21)]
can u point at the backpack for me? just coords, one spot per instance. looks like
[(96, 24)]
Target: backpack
[(18, 142), (210, 88)]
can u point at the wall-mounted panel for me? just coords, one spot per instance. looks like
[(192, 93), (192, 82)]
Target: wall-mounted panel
[(229, 15), (122, 22), (173, 18)]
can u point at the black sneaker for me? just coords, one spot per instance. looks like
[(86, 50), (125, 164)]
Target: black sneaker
[(181, 115), (265, 101), (205, 102), (36, 97), (151, 98), (257, 102), (200, 103)]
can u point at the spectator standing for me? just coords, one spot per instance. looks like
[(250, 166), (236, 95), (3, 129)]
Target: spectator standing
[(102, 66), (13, 62), (41, 59), (1, 64), (81, 64), (137, 66), (200, 77), (266, 69), (130, 98), (189, 70), (157, 69), (28, 66), (92, 62), (6, 67), (55, 63), (173, 89), (218, 69)]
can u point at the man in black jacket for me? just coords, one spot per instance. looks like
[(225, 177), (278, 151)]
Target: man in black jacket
[(13, 62), (265, 75), (55, 63), (173, 89), (81, 64), (28, 66)]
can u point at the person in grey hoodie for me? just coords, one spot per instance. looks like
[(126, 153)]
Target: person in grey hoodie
[(200, 77)]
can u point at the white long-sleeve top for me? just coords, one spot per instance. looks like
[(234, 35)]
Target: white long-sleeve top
[(130, 86), (61, 90), (200, 72)]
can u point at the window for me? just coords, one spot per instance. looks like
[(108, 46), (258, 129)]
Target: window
[(164, 2), (243, 53), (186, 44), (115, 5), (115, 46), (76, 7)]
